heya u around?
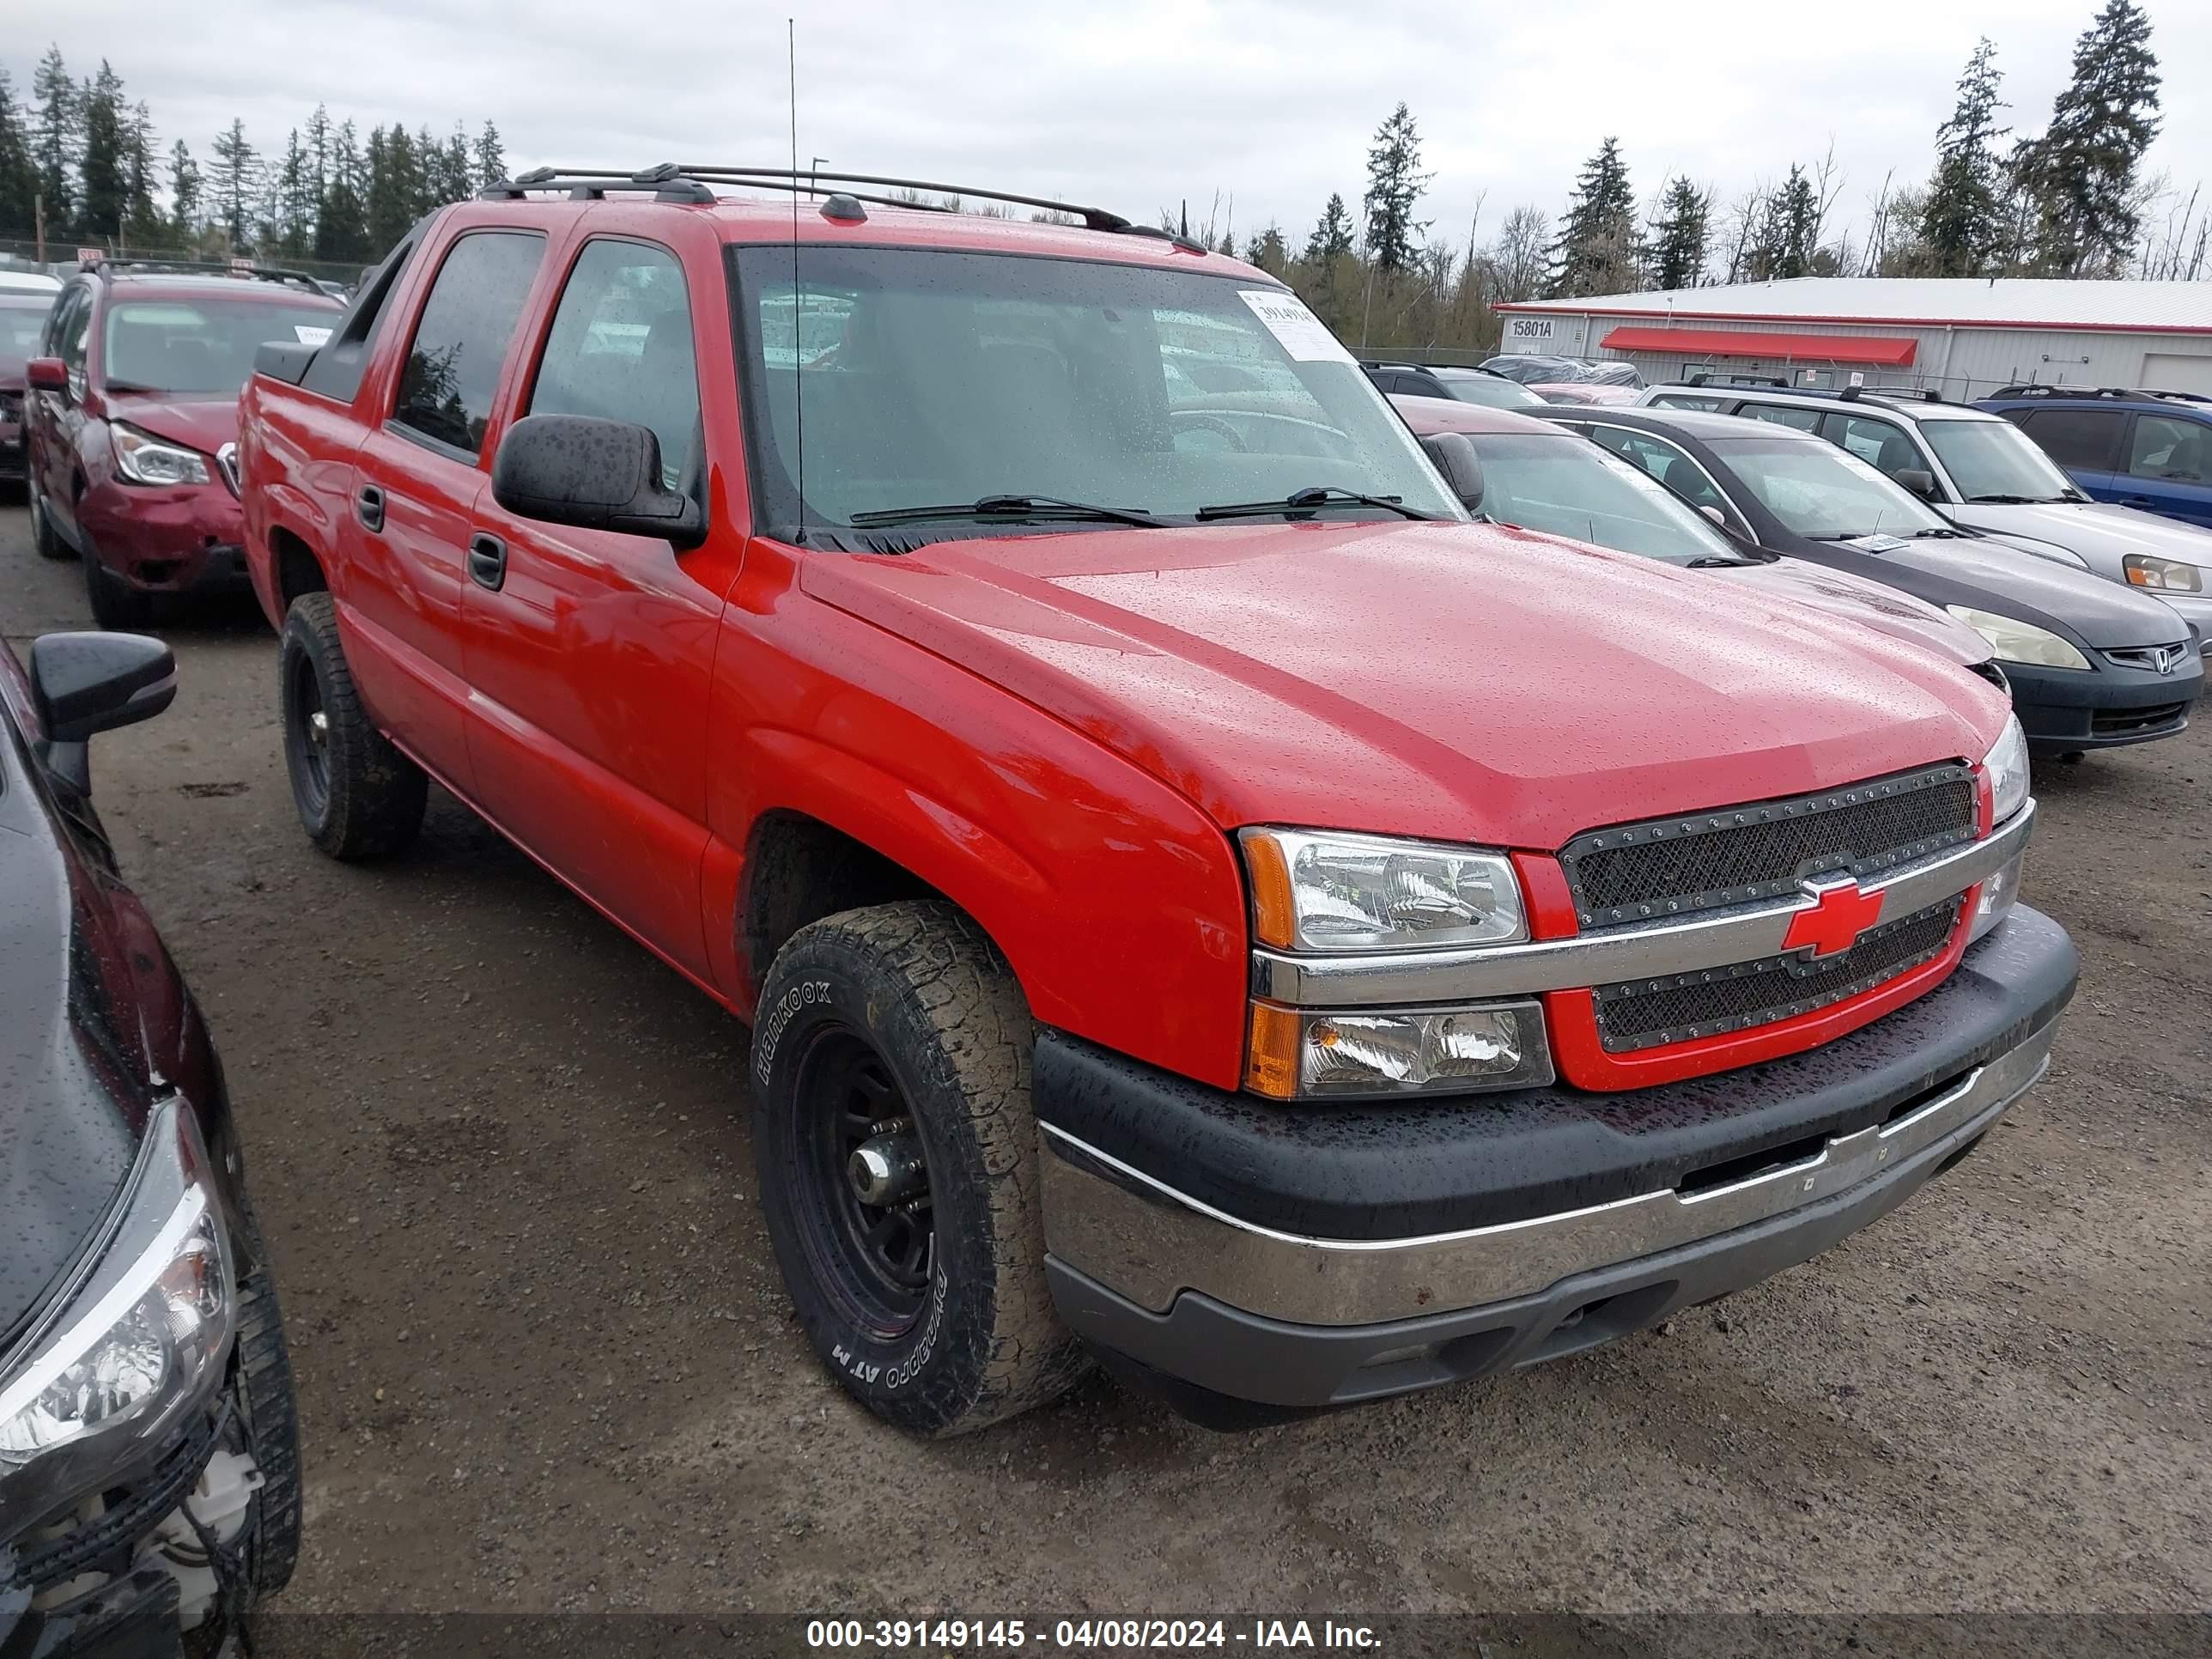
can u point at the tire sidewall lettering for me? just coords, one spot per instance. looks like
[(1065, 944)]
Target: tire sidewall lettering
[(804, 994)]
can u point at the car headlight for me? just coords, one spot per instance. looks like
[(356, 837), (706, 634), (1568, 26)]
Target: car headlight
[(2006, 764), (1324, 891), (2015, 640), (2162, 575), (1298, 1053), (139, 1343), (144, 459)]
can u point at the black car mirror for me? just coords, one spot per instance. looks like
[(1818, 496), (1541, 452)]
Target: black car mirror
[(85, 684), (1919, 481), (1454, 457), (594, 474)]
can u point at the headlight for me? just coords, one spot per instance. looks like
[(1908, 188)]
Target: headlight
[(2007, 766), (2162, 575), (147, 459), (1320, 890), (2015, 640), (1298, 1054), (133, 1348)]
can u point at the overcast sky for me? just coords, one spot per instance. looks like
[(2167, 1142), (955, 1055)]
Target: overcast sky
[(1136, 106)]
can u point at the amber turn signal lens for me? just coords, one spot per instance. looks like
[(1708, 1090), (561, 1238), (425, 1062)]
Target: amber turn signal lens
[(1271, 1059), (1274, 918)]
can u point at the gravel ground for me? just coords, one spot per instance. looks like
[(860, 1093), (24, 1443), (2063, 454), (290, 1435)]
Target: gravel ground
[(544, 1362)]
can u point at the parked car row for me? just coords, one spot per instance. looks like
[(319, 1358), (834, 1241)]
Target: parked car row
[(904, 622)]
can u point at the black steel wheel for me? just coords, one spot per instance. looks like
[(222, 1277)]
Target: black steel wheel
[(899, 1166), (875, 1256), (357, 795)]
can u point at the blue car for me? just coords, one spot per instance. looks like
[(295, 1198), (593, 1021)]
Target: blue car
[(2139, 448)]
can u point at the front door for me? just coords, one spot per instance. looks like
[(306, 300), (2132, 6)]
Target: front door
[(591, 655), (415, 481), (53, 420)]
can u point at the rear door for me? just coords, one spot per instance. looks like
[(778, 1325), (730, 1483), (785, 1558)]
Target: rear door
[(416, 481), (591, 654), (2168, 466), (2085, 441)]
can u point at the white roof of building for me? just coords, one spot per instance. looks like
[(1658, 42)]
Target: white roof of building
[(1972, 301)]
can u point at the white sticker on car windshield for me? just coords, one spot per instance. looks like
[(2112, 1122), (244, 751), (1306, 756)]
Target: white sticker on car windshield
[(1876, 543), (310, 335), (1304, 335)]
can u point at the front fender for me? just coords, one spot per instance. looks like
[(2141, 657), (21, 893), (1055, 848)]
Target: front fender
[(1118, 904)]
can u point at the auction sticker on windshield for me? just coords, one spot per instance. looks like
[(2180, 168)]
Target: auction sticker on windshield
[(1297, 331)]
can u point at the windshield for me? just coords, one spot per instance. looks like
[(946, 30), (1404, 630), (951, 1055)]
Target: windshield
[(1823, 492), (1568, 486), (201, 344), (1492, 393), (20, 323), (902, 378), (1996, 459)]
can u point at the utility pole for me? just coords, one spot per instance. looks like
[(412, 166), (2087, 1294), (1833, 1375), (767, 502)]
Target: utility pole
[(38, 216)]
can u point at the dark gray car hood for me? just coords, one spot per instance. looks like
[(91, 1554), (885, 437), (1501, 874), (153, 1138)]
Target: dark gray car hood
[(2037, 590), (72, 1106)]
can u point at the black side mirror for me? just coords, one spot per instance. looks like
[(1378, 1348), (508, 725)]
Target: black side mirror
[(1919, 481), (594, 474), (88, 682), (1454, 457)]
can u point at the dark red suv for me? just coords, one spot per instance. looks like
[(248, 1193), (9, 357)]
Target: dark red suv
[(132, 415)]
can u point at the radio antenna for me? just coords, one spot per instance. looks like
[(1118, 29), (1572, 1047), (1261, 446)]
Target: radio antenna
[(798, 337)]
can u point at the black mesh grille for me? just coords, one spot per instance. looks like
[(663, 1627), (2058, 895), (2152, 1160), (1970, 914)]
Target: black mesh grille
[(1645, 1012), (1666, 866)]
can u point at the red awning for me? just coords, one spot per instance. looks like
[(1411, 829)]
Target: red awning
[(1883, 352)]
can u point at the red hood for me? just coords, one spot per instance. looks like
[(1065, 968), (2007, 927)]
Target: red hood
[(1857, 600), (1465, 681), (193, 422)]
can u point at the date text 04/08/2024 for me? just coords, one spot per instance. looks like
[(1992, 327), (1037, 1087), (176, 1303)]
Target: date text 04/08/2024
[(961, 1634)]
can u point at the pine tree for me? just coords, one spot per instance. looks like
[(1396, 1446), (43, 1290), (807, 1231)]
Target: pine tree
[(1789, 231), (428, 162), (394, 185), (491, 157), (2080, 174), (1395, 183), (457, 171), (342, 220), (1332, 235), (294, 201), (1676, 256), (106, 194), (54, 98), (19, 174), (186, 191), (318, 153), (1268, 252), (237, 174), (1962, 221), (1596, 252), (142, 221)]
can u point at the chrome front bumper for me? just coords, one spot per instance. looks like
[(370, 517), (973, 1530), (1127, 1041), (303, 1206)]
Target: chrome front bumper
[(1148, 1243)]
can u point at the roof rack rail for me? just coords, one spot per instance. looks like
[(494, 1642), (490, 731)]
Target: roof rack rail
[(2176, 396), (1702, 378), (107, 268), (2047, 389), (687, 182), (1852, 394)]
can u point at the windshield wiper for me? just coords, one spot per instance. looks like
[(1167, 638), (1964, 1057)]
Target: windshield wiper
[(1039, 508), (2015, 501), (1310, 498), (1938, 532), (1714, 562)]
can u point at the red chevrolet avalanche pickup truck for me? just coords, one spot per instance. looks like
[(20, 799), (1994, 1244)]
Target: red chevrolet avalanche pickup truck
[(1200, 901)]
